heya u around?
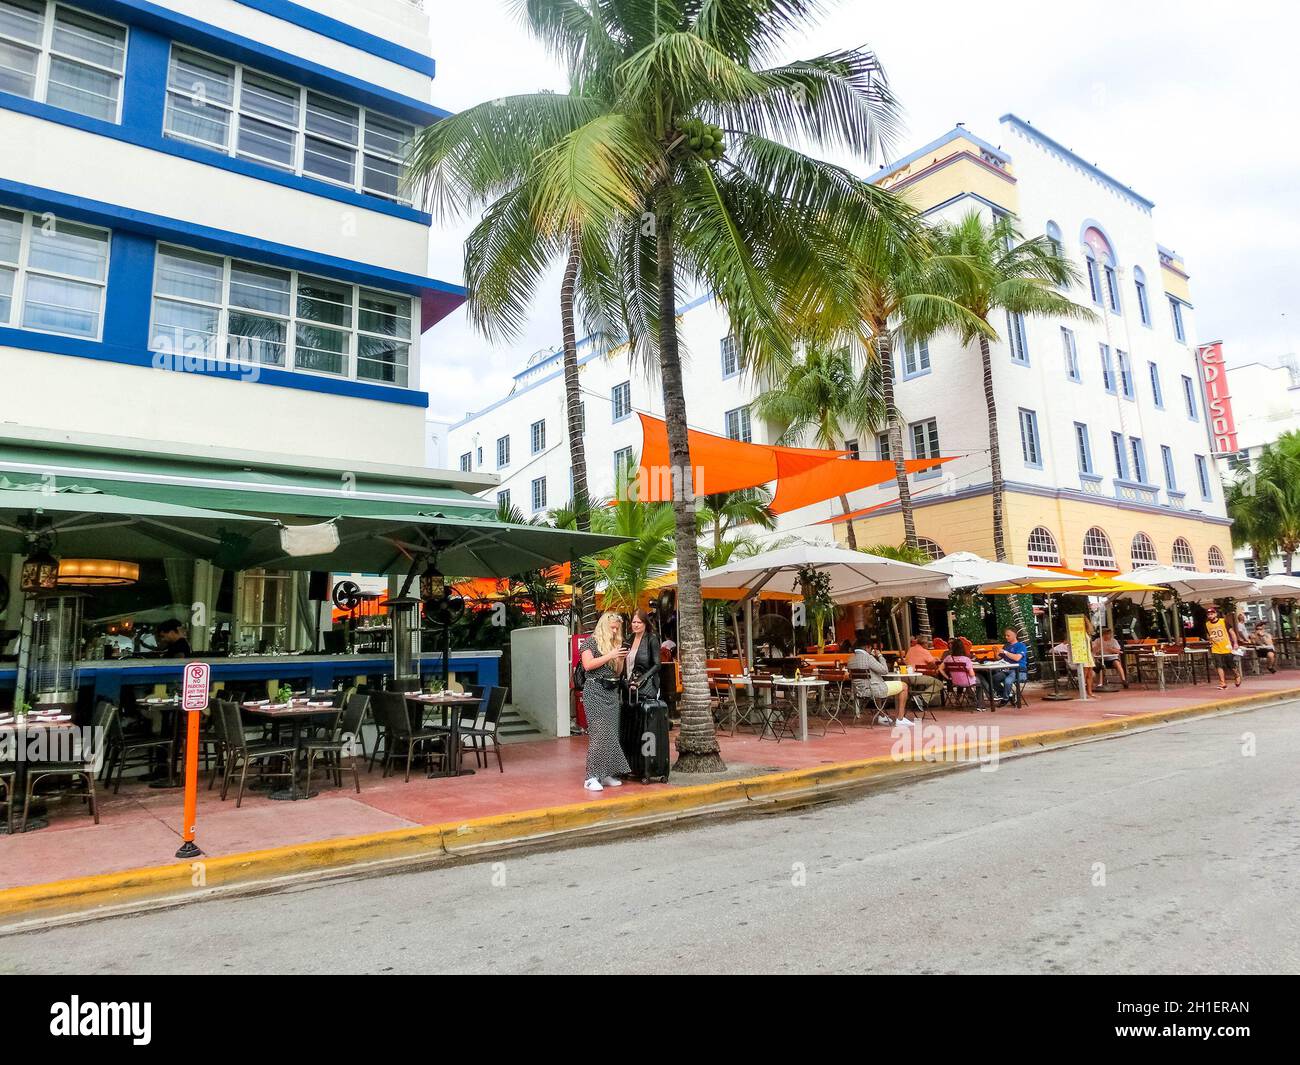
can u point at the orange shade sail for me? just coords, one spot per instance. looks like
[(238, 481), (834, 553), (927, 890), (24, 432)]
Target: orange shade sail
[(836, 519), (803, 476)]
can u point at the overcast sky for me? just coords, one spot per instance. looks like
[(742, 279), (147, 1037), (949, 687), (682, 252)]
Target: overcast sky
[(1192, 104)]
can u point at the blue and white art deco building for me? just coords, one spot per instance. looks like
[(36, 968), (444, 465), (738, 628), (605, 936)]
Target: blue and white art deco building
[(204, 238)]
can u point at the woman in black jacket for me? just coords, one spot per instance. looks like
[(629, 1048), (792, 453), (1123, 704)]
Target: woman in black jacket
[(642, 664)]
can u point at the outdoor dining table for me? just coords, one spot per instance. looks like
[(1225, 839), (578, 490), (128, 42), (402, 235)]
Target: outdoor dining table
[(13, 734), (917, 699), (444, 700), (801, 687), (297, 712), (986, 671)]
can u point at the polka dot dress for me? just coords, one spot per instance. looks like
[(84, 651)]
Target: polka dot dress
[(605, 756)]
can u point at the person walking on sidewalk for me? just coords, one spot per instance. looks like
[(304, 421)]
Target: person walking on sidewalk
[(1223, 646), (603, 657)]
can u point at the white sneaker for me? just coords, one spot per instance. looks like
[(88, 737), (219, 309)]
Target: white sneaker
[(593, 784), (611, 782), (904, 722)]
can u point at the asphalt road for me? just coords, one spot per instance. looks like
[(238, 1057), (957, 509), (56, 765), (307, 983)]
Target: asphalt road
[(1170, 851)]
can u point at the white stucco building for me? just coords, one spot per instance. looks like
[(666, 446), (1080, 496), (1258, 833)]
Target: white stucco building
[(1103, 432)]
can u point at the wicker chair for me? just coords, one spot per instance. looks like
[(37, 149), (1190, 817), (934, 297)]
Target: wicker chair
[(344, 736), (241, 753)]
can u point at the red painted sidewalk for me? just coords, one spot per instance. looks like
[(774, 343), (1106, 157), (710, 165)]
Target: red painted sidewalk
[(141, 827)]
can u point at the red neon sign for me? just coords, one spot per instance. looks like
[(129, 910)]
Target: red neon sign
[(1218, 398)]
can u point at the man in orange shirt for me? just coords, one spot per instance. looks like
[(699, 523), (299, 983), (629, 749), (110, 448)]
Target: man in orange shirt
[(920, 658)]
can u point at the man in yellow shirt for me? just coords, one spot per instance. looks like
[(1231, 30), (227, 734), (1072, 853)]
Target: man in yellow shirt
[(1223, 643)]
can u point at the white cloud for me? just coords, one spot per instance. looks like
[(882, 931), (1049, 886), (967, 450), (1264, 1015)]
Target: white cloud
[(1193, 104)]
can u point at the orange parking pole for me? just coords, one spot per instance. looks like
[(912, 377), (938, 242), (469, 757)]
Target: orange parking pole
[(189, 849)]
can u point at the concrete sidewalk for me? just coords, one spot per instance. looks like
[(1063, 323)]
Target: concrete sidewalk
[(540, 795)]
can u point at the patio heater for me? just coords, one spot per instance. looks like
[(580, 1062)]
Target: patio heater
[(54, 649), (404, 616)]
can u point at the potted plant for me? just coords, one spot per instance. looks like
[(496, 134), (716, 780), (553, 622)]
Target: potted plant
[(284, 695)]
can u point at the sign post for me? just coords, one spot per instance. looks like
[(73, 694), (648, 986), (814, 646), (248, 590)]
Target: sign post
[(194, 700)]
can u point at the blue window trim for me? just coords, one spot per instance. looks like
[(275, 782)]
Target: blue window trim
[(1157, 388), (187, 30), (1124, 371), (1030, 418), (1016, 322), (924, 475), (1171, 474), (1108, 375), (903, 374), (1190, 406), (270, 253), (1203, 478), (616, 418), (1086, 455), (156, 142), (1141, 293), (345, 34), (1138, 455), (722, 355), (1119, 452), (142, 357), (1070, 349)]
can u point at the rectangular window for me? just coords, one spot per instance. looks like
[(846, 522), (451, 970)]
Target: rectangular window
[(465, 462), (1176, 313), (738, 424), (503, 499), (1112, 289), (1126, 375), (1203, 476), (1017, 339), (1157, 393), (1107, 370), (851, 446), (1138, 451), (1029, 445), (1167, 460), (244, 113), (1084, 448), (539, 494), (1189, 397), (730, 357), (1094, 280), (219, 307), (503, 452), (63, 57), (53, 274), (1071, 354), (925, 443), (623, 470), (621, 397), (1121, 457), (1144, 309), (882, 447), (537, 434), (916, 357)]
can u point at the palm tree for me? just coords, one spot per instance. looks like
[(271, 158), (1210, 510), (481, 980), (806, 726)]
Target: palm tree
[(628, 569), (1001, 273), (818, 397), (1267, 503), (722, 512), (899, 553)]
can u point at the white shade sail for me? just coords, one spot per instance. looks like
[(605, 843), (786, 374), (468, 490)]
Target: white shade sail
[(1194, 586), (855, 575)]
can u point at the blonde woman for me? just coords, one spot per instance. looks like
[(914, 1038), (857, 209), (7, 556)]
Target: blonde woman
[(603, 658)]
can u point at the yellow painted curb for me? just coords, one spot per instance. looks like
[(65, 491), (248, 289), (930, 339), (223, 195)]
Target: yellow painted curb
[(176, 881)]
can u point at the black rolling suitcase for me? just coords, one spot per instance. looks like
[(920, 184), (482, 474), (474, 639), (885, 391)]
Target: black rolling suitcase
[(644, 736)]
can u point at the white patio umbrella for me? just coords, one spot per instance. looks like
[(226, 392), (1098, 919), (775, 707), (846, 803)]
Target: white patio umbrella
[(855, 576), (1191, 586), (968, 570), (1276, 587)]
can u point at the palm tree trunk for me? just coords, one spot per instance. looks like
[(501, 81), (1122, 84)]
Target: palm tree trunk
[(999, 489), (849, 534), (697, 742), (585, 596), (894, 425)]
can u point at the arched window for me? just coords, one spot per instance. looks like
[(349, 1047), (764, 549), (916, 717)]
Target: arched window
[(1103, 278), (1097, 552), (1054, 235), (1042, 548), (1140, 288), (1182, 555), (1143, 552), (1217, 564), (930, 548)]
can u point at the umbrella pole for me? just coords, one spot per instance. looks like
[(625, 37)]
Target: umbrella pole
[(1055, 695)]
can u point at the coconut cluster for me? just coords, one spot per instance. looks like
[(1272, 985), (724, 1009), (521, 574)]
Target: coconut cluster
[(703, 139)]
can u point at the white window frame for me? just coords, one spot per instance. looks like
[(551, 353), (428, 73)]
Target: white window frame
[(22, 271), (354, 331), (503, 498), (503, 452), (1071, 347), (730, 351), (467, 462), (1181, 555), (622, 389), (45, 50), (1036, 546), (537, 436), (744, 425), (1138, 553), (1096, 560), (532, 496), (301, 132)]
